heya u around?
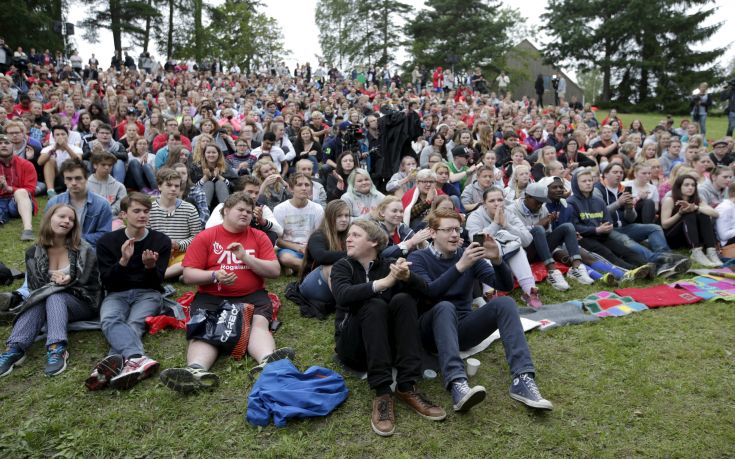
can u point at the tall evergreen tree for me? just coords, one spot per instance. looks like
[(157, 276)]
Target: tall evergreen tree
[(466, 33), (121, 17), (335, 20), (19, 17)]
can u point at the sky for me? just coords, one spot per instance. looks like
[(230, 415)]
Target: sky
[(296, 18)]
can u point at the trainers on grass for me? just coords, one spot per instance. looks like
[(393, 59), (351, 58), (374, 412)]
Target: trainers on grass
[(556, 279), (187, 380), (580, 275), (525, 390), (135, 369), (104, 371), (465, 397), (56, 357), (10, 359)]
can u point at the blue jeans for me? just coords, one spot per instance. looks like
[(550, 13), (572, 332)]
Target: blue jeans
[(730, 123), (141, 176), (448, 331), (118, 171), (639, 232), (123, 319), (315, 286)]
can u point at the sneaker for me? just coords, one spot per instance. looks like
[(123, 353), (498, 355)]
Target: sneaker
[(714, 257), (699, 257), (465, 397), (9, 300), (639, 273), (422, 405), (27, 235), (135, 369), (10, 359), (580, 275), (556, 279), (383, 418), (609, 279), (524, 390), (50, 193), (187, 380), (682, 264), (104, 371), (532, 299), (56, 357), (278, 354)]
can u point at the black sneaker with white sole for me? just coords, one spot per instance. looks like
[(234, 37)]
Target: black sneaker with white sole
[(187, 380), (525, 390)]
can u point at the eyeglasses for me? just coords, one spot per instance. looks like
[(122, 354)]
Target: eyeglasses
[(453, 229), (426, 181)]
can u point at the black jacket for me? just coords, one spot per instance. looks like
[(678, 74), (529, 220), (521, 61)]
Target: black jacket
[(397, 131), (352, 286), (118, 278)]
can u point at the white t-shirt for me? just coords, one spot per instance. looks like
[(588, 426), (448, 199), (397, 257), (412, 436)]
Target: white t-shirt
[(650, 188), (298, 223), (276, 153), (61, 155)]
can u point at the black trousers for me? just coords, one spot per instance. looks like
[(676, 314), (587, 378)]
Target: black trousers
[(694, 229), (646, 210), (380, 336), (613, 251)]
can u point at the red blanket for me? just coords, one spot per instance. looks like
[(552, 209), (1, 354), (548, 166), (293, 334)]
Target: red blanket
[(660, 295)]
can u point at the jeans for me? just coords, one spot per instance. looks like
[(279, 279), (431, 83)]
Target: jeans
[(123, 319), (730, 123), (613, 250), (118, 171), (448, 331), (315, 286), (381, 336), (56, 312), (141, 176), (702, 123), (639, 232), (544, 242)]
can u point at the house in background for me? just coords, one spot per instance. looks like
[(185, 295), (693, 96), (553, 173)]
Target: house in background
[(524, 62)]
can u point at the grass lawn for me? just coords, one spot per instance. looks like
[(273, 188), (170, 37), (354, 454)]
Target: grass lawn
[(716, 125), (654, 384)]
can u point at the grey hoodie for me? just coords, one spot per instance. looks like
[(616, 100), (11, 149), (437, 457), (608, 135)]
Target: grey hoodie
[(479, 221)]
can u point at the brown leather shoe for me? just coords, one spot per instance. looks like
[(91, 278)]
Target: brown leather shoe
[(422, 405), (383, 418)]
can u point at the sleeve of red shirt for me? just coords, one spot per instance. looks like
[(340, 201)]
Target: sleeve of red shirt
[(265, 247)]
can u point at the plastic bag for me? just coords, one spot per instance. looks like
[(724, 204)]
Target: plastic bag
[(227, 328)]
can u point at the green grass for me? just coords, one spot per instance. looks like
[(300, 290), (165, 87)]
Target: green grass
[(654, 384), (716, 125)]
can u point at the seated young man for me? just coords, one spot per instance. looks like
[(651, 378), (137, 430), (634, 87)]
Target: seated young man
[(132, 263), (229, 262), (263, 218), (376, 325), (104, 184), (174, 217), (450, 325), (52, 157), (536, 221), (17, 187), (299, 217)]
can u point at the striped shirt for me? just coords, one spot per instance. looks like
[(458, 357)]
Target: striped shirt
[(181, 225)]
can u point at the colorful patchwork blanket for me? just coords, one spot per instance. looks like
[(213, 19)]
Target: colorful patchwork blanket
[(608, 304), (660, 295), (709, 287)]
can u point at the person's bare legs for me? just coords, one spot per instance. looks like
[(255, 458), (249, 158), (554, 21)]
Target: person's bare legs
[(49, 174), (174, 271), (261, 343), (25, 207), (289, 261), (201, 354)]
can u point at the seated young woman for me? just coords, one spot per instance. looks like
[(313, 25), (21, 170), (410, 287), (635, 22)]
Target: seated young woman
[(273, 188), (337, 181), (361, 194), (687, 222), (62, 274), (325, 247), (401, 238)]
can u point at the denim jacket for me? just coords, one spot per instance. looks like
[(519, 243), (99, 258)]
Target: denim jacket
[(97, 215)]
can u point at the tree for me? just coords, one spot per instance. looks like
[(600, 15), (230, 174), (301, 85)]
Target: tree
[(465, 33), (591, 83), (118, 16), (19, 17), (335, 21), (380, 37)]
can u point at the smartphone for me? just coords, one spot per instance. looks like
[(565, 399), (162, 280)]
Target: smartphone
[(628, 189), (479, 238)]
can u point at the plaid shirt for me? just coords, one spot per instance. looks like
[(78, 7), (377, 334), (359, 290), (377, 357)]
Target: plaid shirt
[(197, 197)]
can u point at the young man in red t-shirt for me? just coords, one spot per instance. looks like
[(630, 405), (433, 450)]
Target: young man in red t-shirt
[(229, 262)]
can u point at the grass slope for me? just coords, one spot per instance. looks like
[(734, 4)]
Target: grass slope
[(654, 384), (716, 125)]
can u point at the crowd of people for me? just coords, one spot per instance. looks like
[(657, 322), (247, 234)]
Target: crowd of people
[(222, 180)]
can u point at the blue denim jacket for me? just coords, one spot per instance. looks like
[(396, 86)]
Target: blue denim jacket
[(98, 216)]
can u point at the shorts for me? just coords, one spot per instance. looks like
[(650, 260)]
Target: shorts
[(294, 253), (259, 299), (177, 258), (9, 209)]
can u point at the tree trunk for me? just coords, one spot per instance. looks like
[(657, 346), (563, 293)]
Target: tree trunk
[(147, 33), (198, 36), (170, 33), (606, 90), (115, 26)]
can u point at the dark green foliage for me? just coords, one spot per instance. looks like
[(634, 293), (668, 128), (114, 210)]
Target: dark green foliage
[(18, 17), (121, 17)]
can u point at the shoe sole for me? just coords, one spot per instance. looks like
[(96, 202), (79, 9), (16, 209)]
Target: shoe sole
[(129, 380), (475, 396), (61, 370), (532, 403), (560, 288), (182, 380), (18, 363), (107, 368), (380, 432), (580, 281)]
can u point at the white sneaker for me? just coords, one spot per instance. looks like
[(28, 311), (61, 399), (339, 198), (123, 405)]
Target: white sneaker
[(556, 279), (134, 370), (699, 257), (580, 275), (713, 257)]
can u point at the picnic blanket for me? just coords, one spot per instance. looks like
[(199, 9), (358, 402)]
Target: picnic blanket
[(709, 287), (660, 295), (609, 304), (556, 315)]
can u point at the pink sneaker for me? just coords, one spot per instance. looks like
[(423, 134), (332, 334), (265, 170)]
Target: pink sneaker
[(532, 299), (134, 370)]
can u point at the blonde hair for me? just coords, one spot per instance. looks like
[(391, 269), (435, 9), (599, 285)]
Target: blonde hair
[(46, 234)]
